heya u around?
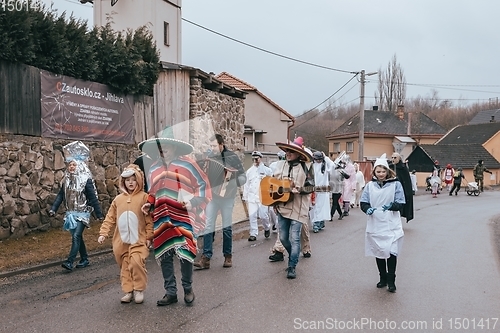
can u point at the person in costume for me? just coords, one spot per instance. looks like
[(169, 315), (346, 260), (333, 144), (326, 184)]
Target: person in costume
[(457, 181), (478, 171), (336, 177), (413, 177), (382, 200), (223, 203), (349, 184), (321, 209), (272, 214), (133, 233), (177, 197), (403, 175), (448, 173), (435, 182), (360, 185), (79, 195), (294, 214), (251, 196)]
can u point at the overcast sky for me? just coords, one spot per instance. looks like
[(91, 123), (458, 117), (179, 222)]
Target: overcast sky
[(450, 43)]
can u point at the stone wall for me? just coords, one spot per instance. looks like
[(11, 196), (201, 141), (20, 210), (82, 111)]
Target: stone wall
[(212, 112), (31, 170)]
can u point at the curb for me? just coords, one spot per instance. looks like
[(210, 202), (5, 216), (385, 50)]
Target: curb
[(238, 230), (46, 265)]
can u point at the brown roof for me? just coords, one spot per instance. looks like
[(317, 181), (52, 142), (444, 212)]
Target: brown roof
[(388, 123), (242, 85)]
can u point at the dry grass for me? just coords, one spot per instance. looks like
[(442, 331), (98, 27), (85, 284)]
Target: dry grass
[(42, 247), (46, 246)]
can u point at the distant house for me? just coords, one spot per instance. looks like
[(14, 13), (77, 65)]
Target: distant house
[(265, 121), (462, 147), (384, 132)]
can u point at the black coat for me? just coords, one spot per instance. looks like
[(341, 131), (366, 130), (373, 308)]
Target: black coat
[(403, 175)]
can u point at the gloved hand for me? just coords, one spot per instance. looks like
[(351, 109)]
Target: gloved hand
[(52, 213), (101, 239), (386, 206), (370, 211)]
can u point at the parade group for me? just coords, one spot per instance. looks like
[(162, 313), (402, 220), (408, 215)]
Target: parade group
[(169, 200)]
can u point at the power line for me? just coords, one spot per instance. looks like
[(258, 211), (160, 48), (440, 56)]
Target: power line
[(270, 52), (325, 110), (329, 96), (449, 87), (427, 85)]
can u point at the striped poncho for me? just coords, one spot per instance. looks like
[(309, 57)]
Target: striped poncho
[(175, 228)]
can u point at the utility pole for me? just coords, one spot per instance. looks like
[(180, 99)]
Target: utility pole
[(361, 140)]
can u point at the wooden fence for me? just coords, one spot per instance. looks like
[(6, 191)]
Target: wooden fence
[(20, 108), (20, 104)]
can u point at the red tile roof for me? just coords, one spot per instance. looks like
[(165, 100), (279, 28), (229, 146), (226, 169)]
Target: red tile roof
[(242, 85)]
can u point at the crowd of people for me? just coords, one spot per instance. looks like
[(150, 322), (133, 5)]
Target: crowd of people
[(182, 198)]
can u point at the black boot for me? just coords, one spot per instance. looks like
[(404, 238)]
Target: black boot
[(391, 273), (276, 256), (382, 272), (391, 279)]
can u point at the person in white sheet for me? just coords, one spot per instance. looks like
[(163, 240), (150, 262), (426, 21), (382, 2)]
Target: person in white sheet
[(381, 200), (321, 209), (413, 177), (251, 195), (360, 185), (349, 175)]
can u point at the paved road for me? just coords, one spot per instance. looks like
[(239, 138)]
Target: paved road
[(448, 274)]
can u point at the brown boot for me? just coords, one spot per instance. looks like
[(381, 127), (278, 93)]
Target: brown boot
[(203, 263), (228, 261)]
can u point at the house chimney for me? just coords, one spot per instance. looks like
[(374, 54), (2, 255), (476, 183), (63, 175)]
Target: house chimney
[(375, 108), (492, 120), (401, 112), (408, 129)]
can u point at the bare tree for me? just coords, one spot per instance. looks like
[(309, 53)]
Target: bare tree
[(391, 87)]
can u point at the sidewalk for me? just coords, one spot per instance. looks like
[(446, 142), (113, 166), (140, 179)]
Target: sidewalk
[(240, 231)]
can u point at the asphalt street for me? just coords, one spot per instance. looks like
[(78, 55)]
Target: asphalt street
[(448, 279)]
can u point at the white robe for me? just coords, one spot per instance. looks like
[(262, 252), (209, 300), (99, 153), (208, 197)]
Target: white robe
[(321, 210), (384, 231)]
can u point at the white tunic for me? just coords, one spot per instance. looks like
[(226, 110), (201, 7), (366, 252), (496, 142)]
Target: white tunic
[(321, 210), (251, 189), (384, 231)]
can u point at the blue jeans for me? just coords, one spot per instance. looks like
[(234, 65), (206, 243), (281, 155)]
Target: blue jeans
[(77, 243), (167, 270), (289, 232), (225, 205)]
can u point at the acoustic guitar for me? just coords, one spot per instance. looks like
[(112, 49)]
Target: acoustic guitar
[(273, 190)]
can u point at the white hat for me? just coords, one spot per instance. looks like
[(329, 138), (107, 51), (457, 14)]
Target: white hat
[(257, 154), (382, 160)]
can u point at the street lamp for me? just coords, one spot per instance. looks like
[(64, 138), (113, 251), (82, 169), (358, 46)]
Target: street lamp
[(362, 114)]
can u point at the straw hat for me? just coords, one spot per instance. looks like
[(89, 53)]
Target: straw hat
[(166, 138), (295, 147)]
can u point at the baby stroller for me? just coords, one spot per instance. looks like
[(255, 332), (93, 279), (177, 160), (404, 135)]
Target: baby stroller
[(472, 188)]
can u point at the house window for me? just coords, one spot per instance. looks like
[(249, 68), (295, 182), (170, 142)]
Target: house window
[(349, 147), (166, 33), (336, 147)]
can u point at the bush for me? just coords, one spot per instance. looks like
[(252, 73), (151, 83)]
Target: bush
[(128, 62)]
